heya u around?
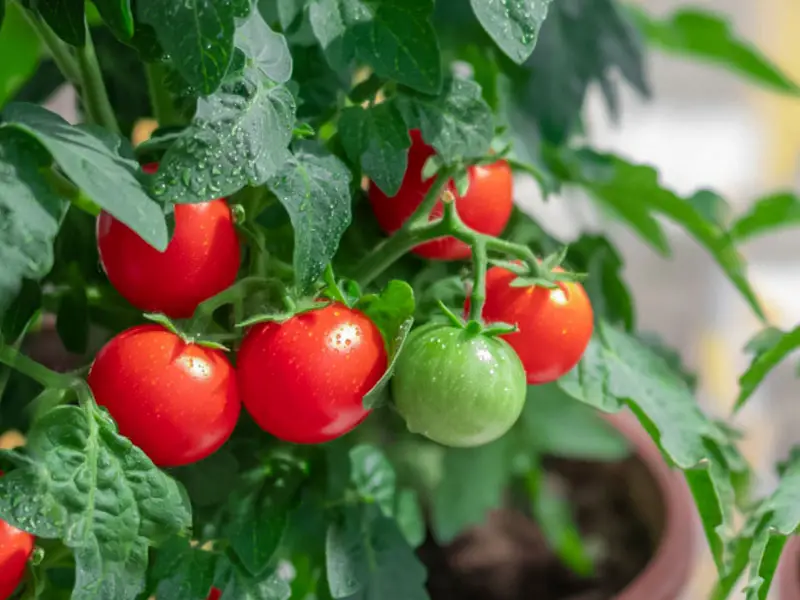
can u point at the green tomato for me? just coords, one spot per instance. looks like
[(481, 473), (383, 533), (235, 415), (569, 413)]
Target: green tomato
[(458, 387)]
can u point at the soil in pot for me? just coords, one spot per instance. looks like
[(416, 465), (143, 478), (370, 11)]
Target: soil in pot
[(618, 510)]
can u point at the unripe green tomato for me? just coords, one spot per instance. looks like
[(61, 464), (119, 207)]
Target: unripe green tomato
[(458, 387)]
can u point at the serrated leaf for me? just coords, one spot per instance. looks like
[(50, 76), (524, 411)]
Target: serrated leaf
[(118, 15), (67, 18), (373, 476), (389, 309), (105, 171), (395, 38), (267, 49), (239, 136), (705, 35), (90, 487), (183, 572), (314, 188), (377, 139), (203, 50), (513, 24), (617, 371), (17, 39), (30, 215), (368, 558), (457, 123), (767, 358), (772, 212)]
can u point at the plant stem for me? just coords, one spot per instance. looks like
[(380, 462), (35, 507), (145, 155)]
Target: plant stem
[(60, 51), (478, 297), (422, 213), (164, 111), (93, 89), (39, 373)]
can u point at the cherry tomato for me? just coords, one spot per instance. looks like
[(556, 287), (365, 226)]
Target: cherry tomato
[(215, 594), (458, 387), (15, 549), (304, 380), (555, 325), (201, 260), (176, 401), (485, 208)]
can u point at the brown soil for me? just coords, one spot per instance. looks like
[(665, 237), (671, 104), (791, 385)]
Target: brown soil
[(618, 511)]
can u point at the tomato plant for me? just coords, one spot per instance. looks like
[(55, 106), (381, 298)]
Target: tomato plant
[(282, 205)]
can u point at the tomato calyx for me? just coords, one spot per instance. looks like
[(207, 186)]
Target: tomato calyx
[(546, 272), (198, 340), (473, 327)]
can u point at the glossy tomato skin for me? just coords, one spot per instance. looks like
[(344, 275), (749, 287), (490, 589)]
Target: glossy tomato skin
[(304, 380), (555, 325), (16, 547), (214, 594), (176, 401), (457, 387), (201, 260), (485, 208)]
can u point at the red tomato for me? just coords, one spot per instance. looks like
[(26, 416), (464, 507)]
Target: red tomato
[(201, 260), (555, 325), (15, 549), (176, 401), (485, 208), (303, 381), (215, 594)]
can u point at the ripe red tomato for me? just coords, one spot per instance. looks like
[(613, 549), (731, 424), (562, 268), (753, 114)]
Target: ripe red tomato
[(303, 381), (485, 208), (15, 549), (555, 325), (176, 401), (215, 594), (201, 260)]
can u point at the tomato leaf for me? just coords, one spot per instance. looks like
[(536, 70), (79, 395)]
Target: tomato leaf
[(21, 311), (203, 51), (395, 38), (512, 24), (379, 394), (72, 319), (239, 136), (408, 515), (457, 123), (377, 139), (118, 16), (103, 167), (768, 354), (775, 211), (182, 572), (21, 51), (236, 583), (706, 35), (67, 18), (209, 482), (90, 487), (368, 557), (267, 49), (617, 371), (314, 188), (373, 476), (31, 214)]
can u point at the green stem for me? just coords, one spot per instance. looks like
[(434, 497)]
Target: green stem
[(60, 51), (478, 297), (38, 372), (163, 106), (94, 95), (423, 212)]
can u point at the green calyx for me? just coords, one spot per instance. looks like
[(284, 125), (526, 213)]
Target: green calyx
[(474, 327)]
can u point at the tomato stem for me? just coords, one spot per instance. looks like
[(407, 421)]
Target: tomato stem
[(93, 89), (479, 263), (59, 50), (161, 101), (36, 371)]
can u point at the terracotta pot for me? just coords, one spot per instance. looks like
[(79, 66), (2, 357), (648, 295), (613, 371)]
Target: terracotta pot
[(788, 580)]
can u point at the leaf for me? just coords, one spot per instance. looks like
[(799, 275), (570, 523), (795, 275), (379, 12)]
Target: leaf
[(237, 584), (376, 138), (512, 24), (21, 51), (67, 18), (239, 136), (209, 482), (72, 320), (118, 16), (90, 487), (183, 572), (618, 370), (203, 50), (368, 558), (767, 358), (394, 37), (268, 50), (379, 394), (106, 173), (408, 514), (767, 214), (457, 502), (580, 43), (705, 35), (373, 477), (22, 310), (314, 188), (30, 215), (557, 424), (457, 123)]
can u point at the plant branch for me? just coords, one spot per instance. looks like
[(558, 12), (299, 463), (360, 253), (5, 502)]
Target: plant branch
[(164, 111), (36, 371), (93, 89), (478, 297), (60, 51)]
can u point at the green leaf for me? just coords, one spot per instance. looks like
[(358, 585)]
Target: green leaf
[(106, 172), (767, 214), (21, 51), (238, 137), (457, 123), (183, 572), (512, 24), (581, 42), (72, 319), (203, 50), (706, 35), (314, 188), (373, 477), (237, 584), (367, 557), (267, 50), (408, 514), (767, 358), (85, 484), (30, 213), (377, 139), (454, 510), (394, 37), (67, 18), (209, 482), (379, 394), (557, 424), (22, 310), (118, 16), (617, 371)]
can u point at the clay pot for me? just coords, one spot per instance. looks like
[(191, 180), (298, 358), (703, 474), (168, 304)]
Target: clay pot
[(788, 579)]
